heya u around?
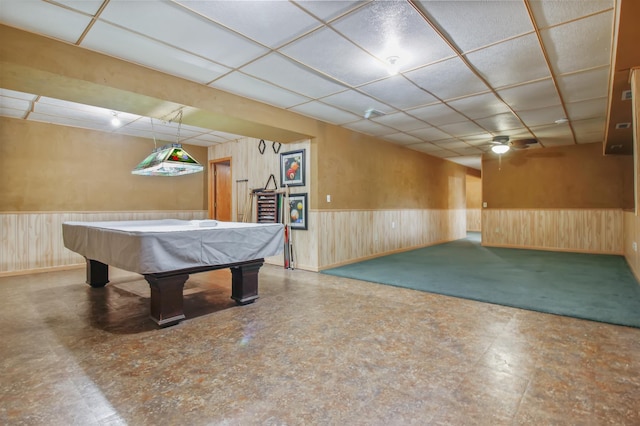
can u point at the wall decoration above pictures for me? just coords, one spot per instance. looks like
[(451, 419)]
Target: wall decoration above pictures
[(292, 168)]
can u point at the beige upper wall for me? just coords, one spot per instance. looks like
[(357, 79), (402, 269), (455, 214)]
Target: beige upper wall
[(362, 172), (474, 192), (46, 167), (576, 176)]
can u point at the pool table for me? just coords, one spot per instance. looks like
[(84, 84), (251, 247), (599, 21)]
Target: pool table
[(166, 251)]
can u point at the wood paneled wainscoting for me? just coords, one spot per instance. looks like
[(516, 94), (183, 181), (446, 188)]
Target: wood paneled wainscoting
[(32, 241), (577, 230), (632, 235), (474, 220), (355, 235)]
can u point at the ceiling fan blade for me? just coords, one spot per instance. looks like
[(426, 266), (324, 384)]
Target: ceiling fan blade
[(523, 143)]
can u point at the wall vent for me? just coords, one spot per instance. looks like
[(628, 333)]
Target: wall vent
[(626, 95), (621, 126)]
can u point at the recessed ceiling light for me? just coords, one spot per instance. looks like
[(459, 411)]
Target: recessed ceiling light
[(115, 121), (561, 121), (393, 65)]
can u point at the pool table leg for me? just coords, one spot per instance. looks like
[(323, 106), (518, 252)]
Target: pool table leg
[(97, 273), (166, 298), (244, 282)]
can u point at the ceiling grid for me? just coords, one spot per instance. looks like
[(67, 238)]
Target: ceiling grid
[(468, 71)]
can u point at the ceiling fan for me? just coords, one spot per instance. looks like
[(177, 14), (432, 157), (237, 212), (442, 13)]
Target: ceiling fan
[(502, 144)]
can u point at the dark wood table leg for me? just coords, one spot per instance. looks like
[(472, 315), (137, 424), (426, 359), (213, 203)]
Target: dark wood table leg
[(244, 282), (166, 298), (97, 273)]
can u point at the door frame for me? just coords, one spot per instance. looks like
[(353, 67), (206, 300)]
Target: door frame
[(212, 187)]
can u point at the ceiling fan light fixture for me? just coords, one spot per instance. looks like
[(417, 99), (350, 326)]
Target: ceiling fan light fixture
[(500, 149)]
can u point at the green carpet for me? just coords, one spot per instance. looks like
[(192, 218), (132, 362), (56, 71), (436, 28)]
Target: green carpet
[(589, 286)]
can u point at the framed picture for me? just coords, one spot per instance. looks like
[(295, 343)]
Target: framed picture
[(292, 168), (298, 211)]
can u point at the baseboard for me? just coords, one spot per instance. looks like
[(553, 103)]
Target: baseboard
[(565, 250), (386, 253), (41, 270)]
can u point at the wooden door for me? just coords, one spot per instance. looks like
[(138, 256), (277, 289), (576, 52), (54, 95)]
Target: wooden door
[(221, 208)]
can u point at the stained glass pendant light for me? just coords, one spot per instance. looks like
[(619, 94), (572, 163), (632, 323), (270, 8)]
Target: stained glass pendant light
[(169, 160)]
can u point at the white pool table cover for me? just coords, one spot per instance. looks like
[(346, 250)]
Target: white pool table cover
[(154, 246)]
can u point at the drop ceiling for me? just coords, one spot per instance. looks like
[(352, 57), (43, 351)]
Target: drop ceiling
[(467, 70)]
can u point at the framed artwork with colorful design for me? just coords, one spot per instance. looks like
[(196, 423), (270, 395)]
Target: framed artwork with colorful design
[(298, 211), (292, 168)]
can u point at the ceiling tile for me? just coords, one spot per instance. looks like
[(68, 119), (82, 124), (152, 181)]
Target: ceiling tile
[(472, 161), (472, 24), (356, 102), (512, 62), (253, 88), (283, 72), (328, 10), (86, 6), (23, 105), (279, 21), (11, 112), (553, 12), (448, 79), (328, 52), (402, 121), (326, 113), (531, 96), (437, 114), (584, 85), (542, 116), (593, 108), (123, 44), (398, 92), (588, 131), (44, 18), (17, 95), (499, 123), (402, 139), (426, 147), (370, 128), (479, 106), (443, 153), (581, 44), (70, 121), (172, 24), (468, 151), (555, 135), (462, 129), (430, 134), (452, 144), (393, 28)]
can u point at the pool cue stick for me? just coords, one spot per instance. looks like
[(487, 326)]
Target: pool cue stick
[(291, 260), (286, 216)]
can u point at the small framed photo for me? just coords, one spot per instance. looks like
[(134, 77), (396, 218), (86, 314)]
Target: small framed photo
[(292, 168), (298, 211)]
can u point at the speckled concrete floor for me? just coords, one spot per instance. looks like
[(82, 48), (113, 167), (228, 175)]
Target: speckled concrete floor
[(313, 350)]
